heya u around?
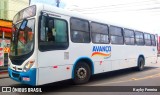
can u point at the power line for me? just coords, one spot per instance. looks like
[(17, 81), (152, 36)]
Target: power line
[(123, 9), (133, 10), (146, 6), (149, 6), (110, 6)]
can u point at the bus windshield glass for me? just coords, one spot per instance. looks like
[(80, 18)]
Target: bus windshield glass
[(25, 13), (22, 40)]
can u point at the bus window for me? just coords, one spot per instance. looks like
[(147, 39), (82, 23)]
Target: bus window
[(80, 31), (116, 35), (129, 37), (53, 33), (22, 37), (153, 40), (99, 33), (139, 38), (147, 38)]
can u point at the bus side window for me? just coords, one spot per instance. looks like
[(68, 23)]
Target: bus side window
[(53, 34), (99, 33), (147, 38), (60, 31), (129, 37), (77, 36), (43, 36), (50, 31), (116, 35), (80, 30), (139, 38), (153, 40)]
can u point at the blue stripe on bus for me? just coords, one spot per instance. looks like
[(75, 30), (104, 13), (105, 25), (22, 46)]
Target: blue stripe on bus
[(81, 58), (29, 74)]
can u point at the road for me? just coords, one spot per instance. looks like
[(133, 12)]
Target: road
[(122, 80)]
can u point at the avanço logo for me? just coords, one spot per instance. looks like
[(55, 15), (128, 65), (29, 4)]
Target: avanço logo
[(104, 51)]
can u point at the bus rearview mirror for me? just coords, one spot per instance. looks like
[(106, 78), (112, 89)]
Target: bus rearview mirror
[(23, 24)]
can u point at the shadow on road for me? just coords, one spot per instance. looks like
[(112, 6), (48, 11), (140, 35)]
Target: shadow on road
[(118, 73), (68, 86)]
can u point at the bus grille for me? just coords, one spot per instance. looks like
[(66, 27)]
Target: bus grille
[(15, 75)]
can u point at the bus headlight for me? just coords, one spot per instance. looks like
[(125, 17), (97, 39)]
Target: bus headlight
[(28, 66), (9, 62)]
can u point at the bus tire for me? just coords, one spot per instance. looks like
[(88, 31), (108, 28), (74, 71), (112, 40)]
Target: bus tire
[(141, 63), (82, 73)]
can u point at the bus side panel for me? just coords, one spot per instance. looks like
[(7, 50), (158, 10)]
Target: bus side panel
[(54, 74), (102, 66), (151, 57), (123, 57), (53, 66)]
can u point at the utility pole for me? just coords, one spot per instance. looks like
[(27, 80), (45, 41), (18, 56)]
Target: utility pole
[(58, 1)]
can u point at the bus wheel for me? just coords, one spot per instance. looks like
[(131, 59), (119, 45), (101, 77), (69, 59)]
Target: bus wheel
[(141, 63), (82, 73)]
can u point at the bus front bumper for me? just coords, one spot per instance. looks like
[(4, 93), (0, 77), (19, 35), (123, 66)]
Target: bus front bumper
[(28, 77)]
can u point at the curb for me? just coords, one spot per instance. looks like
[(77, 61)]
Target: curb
[(4, 74), (3, 71)]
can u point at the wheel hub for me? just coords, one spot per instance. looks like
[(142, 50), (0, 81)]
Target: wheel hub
[(81, 73)]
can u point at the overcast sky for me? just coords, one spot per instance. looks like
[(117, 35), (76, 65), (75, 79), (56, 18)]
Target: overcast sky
[(142, 15)]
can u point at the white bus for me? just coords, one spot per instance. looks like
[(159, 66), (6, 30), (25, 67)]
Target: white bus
[(51, 44)]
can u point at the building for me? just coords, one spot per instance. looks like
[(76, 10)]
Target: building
[(8, 9)]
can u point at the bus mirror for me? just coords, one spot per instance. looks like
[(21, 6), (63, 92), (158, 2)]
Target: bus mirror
[(23, 24)]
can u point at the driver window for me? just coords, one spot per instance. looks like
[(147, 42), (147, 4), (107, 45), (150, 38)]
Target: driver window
[(55, 30), (53, 33)]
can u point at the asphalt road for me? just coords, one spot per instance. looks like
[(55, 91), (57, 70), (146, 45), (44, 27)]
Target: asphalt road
[(110, 83)]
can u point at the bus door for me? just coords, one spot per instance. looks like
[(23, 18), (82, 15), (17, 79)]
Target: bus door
[(53, 48)]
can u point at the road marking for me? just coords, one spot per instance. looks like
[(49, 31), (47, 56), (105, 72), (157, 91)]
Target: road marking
[(132, 79), (147, 77)]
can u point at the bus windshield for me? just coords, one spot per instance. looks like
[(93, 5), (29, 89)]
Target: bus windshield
[(22, 40)]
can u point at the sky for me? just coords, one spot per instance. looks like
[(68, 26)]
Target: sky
[(143, 15)]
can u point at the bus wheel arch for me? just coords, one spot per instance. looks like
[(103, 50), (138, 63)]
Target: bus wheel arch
[(140, 63), (82, 71)]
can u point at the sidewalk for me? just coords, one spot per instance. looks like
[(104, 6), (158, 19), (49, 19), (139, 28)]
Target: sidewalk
[(3, 74)]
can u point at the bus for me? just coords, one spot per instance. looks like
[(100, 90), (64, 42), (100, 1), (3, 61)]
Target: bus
[(50, 44)]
